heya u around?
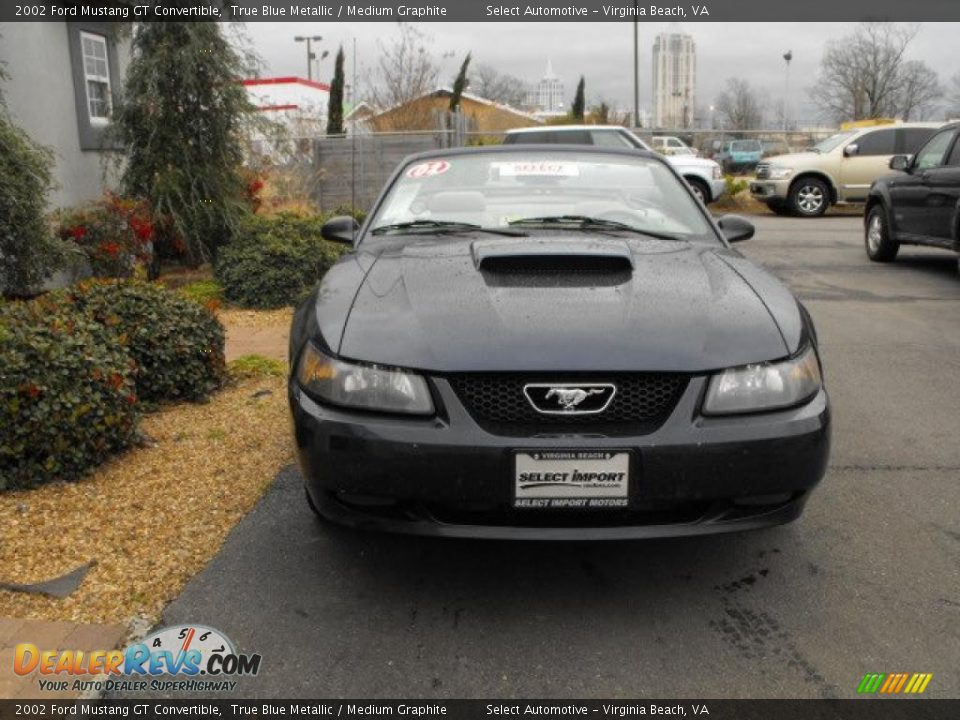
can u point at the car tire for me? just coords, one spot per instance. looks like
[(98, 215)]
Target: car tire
[(809, 197), (880, 245), (700, 189), (778, 208)]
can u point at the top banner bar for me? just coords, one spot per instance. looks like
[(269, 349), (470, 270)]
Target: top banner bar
[(480, 10)]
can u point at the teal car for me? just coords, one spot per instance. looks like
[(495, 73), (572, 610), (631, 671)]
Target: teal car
[(739, 155)]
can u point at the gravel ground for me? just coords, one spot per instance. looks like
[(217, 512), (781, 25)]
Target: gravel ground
[(151, 518)]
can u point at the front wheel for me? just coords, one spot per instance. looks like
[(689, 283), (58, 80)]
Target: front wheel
[(881, 247), (809, 197), (700, 189)]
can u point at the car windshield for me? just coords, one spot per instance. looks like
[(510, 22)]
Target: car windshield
[(825, 146), (535, 188), (745, 146)]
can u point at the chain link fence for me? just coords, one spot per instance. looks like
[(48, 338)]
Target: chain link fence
[(326, 173)]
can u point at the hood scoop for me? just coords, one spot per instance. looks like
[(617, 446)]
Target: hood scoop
[(553, 263)]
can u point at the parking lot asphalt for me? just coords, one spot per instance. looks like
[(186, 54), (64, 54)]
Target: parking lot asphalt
[(867, 581)]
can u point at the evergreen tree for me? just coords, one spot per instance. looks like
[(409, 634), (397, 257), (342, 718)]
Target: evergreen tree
[(181, 121), (579, 103), (459, 85), (335, 108)]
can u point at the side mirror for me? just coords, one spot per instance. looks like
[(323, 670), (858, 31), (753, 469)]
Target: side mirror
[(736, 228), (900, 162), (340, 229), (851, 150)]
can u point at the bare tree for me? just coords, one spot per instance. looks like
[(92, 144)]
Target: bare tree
[(919, 90), (953, 97), (739, 106), (405, 69), (867, 75), (488, 82)]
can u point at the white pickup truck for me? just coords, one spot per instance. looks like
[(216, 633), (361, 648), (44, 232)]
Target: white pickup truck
[(704, 176)]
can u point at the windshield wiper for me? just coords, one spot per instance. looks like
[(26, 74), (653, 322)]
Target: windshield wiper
[(586, 222), (443, 226)]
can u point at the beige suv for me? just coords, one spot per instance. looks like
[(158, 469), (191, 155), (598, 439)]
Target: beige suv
[(839, 169)]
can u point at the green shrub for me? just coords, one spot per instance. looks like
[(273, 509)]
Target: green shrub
[(67, 395), (176, 344), (274, 261), (29, 252), (735, 186)]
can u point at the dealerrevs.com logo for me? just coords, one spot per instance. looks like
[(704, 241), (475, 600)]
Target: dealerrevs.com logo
[(192, 658)]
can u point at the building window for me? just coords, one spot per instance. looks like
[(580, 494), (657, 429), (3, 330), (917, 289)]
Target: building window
[(96, 74)]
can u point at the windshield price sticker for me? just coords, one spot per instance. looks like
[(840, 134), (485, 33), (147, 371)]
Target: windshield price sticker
[(539, 169), (431, 168)]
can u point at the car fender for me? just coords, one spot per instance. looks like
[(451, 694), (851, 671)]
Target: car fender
[(323, 315), (820, 175), (956, 227), (880, 195)]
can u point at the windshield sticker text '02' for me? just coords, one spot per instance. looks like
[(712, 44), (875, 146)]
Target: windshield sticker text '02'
[(428, 169)]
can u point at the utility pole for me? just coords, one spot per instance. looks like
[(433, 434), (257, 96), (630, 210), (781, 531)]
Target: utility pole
[(310, 55), (636, 64), (787, 56)]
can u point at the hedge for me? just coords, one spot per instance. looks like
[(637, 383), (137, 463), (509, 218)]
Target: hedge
[(275, 261), (67, 393), (176, 343)]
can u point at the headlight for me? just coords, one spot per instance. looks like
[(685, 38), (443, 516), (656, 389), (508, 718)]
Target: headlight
[(766, 386), (779, 173), (366, 387), (717, 172)]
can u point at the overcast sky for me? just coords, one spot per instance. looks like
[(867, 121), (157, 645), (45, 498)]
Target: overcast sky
[(603, 53)]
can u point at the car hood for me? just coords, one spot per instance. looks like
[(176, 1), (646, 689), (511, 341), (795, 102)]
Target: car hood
[(801, 159), (453, 305), (690, 161)]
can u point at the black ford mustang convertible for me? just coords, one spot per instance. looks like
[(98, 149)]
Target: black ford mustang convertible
[(553, 342)]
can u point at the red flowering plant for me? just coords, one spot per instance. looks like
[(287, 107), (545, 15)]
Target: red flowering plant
[(253, 187), (115, 234)]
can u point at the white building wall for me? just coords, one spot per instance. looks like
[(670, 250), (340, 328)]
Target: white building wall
[(302, 107), (39, 95)]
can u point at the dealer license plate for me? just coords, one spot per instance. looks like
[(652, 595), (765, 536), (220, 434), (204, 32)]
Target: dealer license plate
[(573, 479)]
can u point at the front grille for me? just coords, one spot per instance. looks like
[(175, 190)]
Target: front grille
[(642, 402), (763, 171)]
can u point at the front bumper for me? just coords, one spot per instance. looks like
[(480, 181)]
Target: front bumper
[(767, 190), (447, 476), (718, 188)]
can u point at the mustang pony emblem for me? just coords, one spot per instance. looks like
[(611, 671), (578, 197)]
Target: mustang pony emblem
[(571, 397), (585, 398)]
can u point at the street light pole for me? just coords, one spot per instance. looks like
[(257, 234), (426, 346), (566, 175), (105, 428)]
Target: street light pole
[(310, 55), (787, 56)]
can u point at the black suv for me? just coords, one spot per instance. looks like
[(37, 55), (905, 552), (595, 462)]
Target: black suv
[(919, 205)]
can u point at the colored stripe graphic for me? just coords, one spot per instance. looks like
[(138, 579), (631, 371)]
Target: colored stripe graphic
[(870, 683), (923, 679), (894, 683)]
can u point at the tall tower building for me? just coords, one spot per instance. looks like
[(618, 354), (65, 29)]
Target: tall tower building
[(674, 80), (550, 92)]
